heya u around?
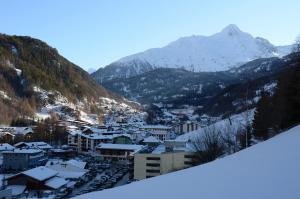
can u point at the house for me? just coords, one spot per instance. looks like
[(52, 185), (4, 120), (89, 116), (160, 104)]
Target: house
[(40, 178), (117, 151), (122, 139), (161, 132), (185, 127), (6, 136), (70, 170), (17, 130), (22, 159), (165, 158), (34, 145)]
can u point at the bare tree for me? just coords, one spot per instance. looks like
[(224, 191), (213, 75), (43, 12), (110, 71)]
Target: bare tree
[(209, 145), (229, 138)]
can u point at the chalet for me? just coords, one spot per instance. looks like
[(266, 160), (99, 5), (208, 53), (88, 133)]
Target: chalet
[(70, 170), (34, 145), (122, 139), (40, 178)]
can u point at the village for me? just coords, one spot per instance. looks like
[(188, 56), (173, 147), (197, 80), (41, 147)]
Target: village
[(93, 157)]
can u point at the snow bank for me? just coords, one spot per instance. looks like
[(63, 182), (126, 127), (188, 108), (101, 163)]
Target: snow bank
[(269, 170)]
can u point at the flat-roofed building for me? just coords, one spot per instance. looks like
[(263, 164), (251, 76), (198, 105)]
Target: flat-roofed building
[(163, 159), (117, 151)]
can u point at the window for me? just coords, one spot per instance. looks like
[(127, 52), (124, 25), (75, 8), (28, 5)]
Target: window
[(153, 158), (153, 165), (152, 171), (188, 162), (189, 156)]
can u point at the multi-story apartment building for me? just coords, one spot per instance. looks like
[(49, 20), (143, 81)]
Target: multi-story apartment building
[(22, 159), (84, 142), (185, 127), (163, 159), (159, 131)]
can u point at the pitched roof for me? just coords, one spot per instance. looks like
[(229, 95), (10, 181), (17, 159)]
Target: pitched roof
[(40, 173), (56, 182)]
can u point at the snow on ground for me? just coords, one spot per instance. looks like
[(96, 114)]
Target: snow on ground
[(233, 124), (269, 170)]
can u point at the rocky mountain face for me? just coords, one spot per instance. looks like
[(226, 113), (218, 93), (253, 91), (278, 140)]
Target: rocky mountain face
[(219, 52), (29, 69), (213, 93)]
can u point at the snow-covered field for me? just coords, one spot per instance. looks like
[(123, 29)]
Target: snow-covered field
[(269, 170)]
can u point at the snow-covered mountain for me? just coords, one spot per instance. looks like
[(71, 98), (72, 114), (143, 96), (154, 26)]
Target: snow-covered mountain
[(221, 51), (266, 170)]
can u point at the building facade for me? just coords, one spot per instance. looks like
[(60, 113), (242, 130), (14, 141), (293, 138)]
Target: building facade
[(22, 159)]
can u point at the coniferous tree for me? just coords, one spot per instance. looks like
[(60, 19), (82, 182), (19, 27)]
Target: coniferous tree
[(263, 117)]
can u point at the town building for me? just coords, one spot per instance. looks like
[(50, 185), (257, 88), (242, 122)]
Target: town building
[(117, 152), (185, 127), (70, 170), (39, 179), (22, 159), (34, 145), (87, 142), (170, 156), (122, 139), (159, 131)]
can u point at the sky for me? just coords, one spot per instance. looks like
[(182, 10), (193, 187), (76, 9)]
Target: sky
[(94, 33)]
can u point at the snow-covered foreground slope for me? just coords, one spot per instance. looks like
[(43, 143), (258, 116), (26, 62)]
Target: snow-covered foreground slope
[(269, 170)]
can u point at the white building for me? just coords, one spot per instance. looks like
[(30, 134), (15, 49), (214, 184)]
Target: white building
[(159, 131)]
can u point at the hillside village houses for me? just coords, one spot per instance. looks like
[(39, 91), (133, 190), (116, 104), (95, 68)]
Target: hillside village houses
[(144, 150)]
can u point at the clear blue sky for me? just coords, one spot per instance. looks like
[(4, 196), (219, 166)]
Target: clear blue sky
[(93, 33)]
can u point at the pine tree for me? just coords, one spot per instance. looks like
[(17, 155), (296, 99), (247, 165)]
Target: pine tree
[(262, 117)]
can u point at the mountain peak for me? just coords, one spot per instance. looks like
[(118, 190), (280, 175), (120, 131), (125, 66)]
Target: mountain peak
[(231, 29)]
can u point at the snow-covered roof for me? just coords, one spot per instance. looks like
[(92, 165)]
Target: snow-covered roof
[(29, 151), (56, 182), (70, 174), (132, 147), (17, 189), (17, 130), (6, 147), (40, 145), (40, 173), (156, 127), (97, 136), (124, 134), (151, 139), (267, 170), (77, 163)]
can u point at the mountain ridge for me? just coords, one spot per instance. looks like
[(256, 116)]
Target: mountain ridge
[(218, 52)]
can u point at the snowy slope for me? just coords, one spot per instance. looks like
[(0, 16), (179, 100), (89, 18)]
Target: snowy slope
[(269, 170), (228, 125)]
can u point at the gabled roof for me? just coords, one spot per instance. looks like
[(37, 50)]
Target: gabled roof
[(151, 139), (6, 147), (56, 182), (40, 173)]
